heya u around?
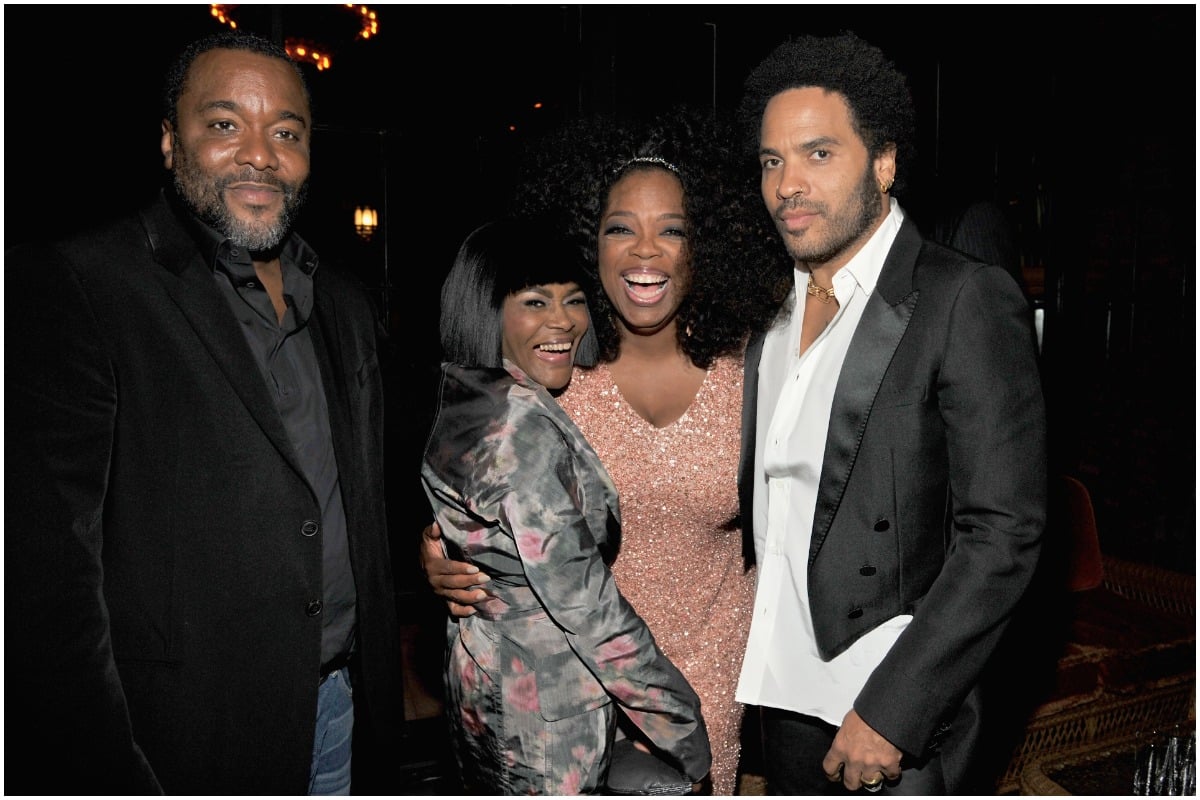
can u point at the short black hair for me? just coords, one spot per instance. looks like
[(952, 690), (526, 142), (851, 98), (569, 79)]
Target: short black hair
[(498, 259), (177, 73), (881, 105)]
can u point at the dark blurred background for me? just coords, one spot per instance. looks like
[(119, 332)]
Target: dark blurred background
[(1078, 120)]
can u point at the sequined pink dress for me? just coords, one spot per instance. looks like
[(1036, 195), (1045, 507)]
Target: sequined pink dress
[(680, 562)]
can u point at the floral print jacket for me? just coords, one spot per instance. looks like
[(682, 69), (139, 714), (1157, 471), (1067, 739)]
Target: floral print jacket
[(519, 492)]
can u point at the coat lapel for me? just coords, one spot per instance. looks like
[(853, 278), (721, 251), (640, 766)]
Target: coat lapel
[(879, 332), (192, 288), (326, 339), (746, 458)]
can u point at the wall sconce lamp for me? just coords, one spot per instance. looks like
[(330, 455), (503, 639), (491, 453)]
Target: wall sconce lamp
[(366, 220)]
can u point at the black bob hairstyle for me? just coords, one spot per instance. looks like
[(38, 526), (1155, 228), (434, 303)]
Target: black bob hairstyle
[(496, 260)]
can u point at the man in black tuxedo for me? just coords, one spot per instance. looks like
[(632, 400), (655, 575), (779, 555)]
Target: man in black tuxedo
[(894, 449)]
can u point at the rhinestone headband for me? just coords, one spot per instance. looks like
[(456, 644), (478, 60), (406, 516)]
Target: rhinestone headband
[(655, 160)]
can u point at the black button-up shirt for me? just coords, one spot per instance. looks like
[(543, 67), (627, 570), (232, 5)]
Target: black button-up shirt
[(286, 356)]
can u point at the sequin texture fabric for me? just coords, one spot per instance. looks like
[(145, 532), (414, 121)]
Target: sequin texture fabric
[(680, 563)]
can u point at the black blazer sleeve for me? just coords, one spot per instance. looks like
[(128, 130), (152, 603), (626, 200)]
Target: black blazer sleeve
[(61, 395)]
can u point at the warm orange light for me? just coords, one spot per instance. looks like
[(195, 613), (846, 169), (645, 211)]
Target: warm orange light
[(300, 49), (370, 26), (218, 11), (366, 220)]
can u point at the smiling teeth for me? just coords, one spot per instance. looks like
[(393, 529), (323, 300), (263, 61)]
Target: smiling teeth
[(558, 347), (645, 280)]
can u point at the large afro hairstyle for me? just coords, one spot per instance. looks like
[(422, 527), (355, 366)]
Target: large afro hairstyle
[(877, 93), (739, 272)]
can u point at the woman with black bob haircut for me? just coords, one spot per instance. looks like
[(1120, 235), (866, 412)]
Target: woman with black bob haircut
[(495, 261), (534, 679)]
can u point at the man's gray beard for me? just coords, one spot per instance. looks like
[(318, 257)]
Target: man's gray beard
[(207, 202), (843, 231)]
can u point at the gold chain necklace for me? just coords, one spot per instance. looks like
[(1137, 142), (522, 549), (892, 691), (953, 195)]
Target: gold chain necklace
[(824, 295)]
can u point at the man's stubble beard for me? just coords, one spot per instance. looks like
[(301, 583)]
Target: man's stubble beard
[(205, 196), (859, 215)]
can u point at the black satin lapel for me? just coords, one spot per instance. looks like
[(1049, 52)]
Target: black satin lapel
[(749, 407), (197, 295), (746, 458), (871, 350)]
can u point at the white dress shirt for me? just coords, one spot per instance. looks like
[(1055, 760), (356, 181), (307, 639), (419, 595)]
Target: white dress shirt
[(782, 668)]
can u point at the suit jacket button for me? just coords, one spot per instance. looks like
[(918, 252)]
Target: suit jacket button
[(855, 613), (309, 528), (313, 608), (867, 571), (882, 525)]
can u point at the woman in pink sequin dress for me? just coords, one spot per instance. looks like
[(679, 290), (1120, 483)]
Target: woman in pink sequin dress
[(683, 274)]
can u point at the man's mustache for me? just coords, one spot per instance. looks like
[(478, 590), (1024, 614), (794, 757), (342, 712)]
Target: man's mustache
[(252, 175), (798, 204)]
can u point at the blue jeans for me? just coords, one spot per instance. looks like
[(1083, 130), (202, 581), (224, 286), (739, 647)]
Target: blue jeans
[(330, 773)]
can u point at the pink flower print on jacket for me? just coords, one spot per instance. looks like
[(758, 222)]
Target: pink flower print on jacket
[(516, 487), (473, 721), (520, 690), (620, 653), (570, 782), (533, 546)]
